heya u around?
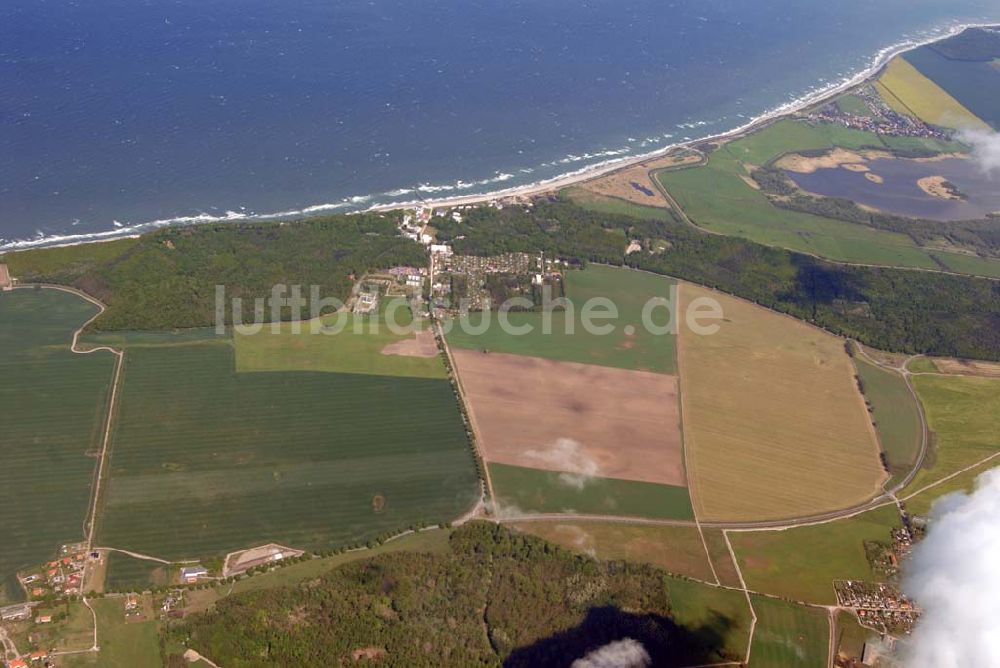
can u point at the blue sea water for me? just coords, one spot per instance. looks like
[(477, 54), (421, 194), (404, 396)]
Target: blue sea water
[(116, 113)]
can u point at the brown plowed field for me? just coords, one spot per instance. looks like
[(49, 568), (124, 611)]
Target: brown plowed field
[(576, 418)]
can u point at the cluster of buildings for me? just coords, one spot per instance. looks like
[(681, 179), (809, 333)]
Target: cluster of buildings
[(464, 279), (61, 577), (881, 607), (38, 658), (411, 277), (882, 120)]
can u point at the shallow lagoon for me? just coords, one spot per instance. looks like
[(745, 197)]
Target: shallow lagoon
[(899, 192)]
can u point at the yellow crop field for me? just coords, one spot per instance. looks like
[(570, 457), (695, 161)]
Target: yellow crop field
[(913, 94), (774, 425)]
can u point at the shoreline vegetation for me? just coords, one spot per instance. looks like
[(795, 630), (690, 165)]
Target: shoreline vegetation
[(551, 185)]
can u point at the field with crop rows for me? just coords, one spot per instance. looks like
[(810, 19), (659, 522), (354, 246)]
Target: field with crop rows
[(52, 409), (774, 424), (207, 460)]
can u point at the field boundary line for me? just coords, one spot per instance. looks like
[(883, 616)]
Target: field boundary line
[(144, 557), (746, 593), (950, 476), (477, 445), (684, 441)]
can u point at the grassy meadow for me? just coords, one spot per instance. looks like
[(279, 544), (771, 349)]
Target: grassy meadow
[(789, 635), (53, 409), (629, 290), (774, 425), (126, 573), (963, 414), (206, 459), (521, 489), (802, 563), (722, 614), (124, 644), (677, 550), (896, 415), (354, 345)]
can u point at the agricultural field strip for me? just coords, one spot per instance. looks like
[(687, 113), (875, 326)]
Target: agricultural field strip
[(154, 487), (89, 522), (924, 429), (476, 432), (169, 461), (799, 355)]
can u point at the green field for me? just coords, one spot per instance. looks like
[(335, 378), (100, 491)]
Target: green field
[(125, 573), (53, 407), (789, 635), (629, 291), (613, 205), (531, 490), (722, 615), (851, 636), (963, 414), (716, 197), (677, 550), (852, 104), (355, 346), (802, 563), (123, 644), (896, 416), (920, 504), (921, 365), (206, 460)]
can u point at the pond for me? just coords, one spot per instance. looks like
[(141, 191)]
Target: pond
[(899, 193)]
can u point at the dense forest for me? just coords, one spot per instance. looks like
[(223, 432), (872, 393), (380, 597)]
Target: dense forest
[(167, 279), (892, 309), (497, 598), (979, 236)]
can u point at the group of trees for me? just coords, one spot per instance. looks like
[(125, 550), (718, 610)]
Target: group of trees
[(496, 598), (167, 279)]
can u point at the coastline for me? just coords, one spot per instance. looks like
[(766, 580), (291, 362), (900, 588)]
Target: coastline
[(356, 204)]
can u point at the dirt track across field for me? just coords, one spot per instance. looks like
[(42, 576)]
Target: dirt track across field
[(575, 418)]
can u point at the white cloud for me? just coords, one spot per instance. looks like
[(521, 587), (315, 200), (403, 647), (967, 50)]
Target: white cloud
[(954, 575), (576, 467), (626, 653), (985, 148)]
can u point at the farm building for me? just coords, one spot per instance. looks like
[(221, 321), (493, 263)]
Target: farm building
[(192, 573), (15, 612), (6, 282)]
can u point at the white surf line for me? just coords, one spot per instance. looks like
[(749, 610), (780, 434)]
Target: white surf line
[(783, 110), (826, 94), (746, 593)]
